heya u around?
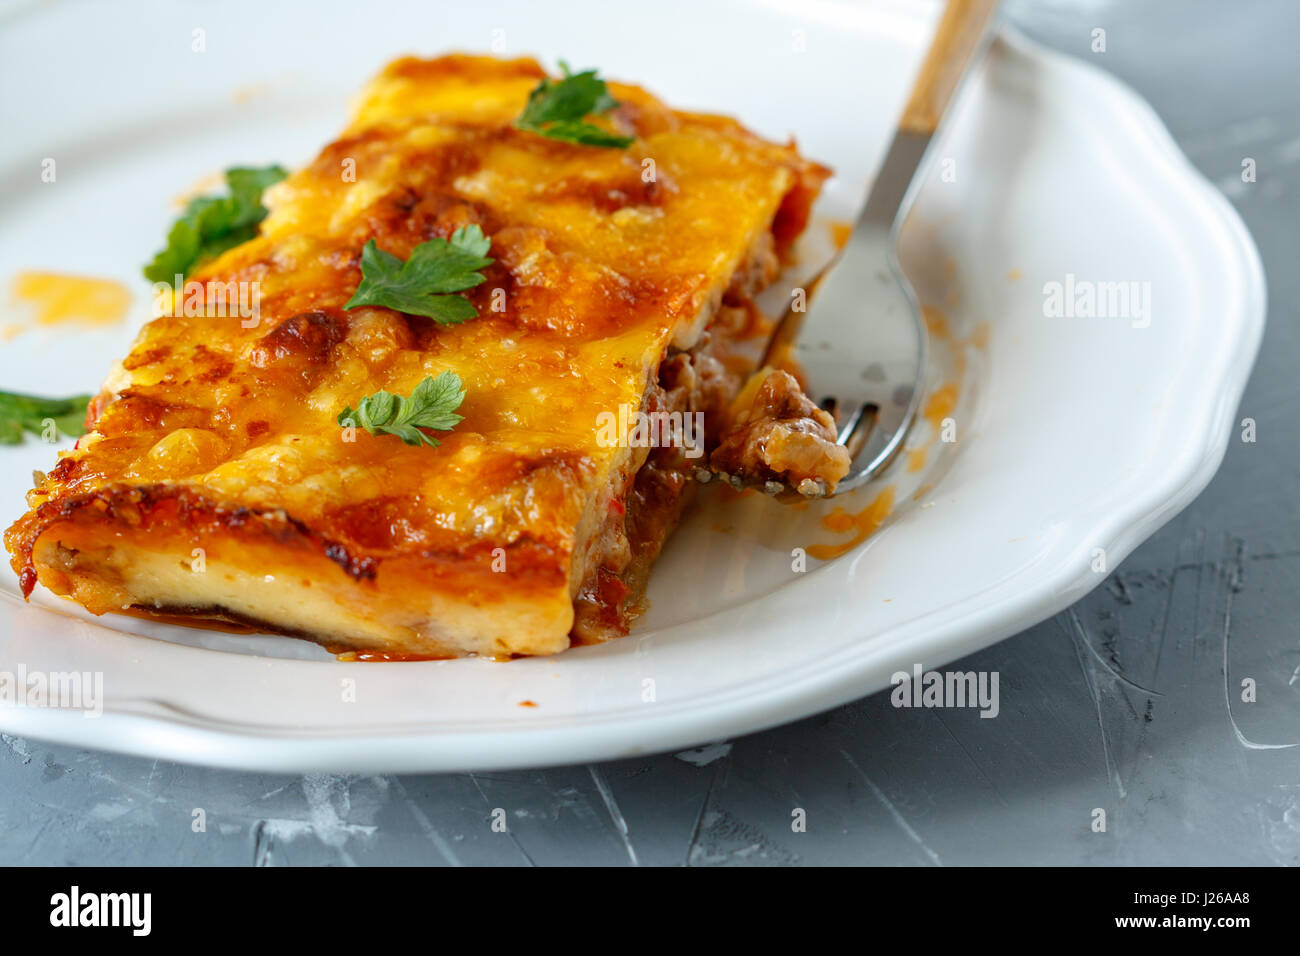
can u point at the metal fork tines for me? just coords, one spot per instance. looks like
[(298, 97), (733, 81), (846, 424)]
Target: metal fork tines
[(853, 430), (860, 338)]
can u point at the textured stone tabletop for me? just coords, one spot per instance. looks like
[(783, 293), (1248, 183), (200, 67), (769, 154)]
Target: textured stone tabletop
[(1120, 703)]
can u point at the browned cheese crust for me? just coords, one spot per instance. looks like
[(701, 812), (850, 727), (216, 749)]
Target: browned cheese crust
[(215, 482)]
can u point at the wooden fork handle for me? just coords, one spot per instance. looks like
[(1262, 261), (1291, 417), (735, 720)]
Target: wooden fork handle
[(960, 32)]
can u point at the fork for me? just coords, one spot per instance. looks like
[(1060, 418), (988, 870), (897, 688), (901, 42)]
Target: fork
[(874, 409)]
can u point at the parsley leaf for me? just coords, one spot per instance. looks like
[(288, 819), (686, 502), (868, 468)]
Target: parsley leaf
[(419, 286), (212, 224), (555, 109), (432, 404), (28, 412)]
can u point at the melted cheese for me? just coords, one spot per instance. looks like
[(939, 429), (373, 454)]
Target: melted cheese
[(604, 258)]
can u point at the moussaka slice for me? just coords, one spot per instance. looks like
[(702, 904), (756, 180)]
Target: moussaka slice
[(612, 257)]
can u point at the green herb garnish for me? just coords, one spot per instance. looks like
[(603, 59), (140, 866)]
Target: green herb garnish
[(556, 109), (212, 224), (419, 286), (19, 413), (432, 404)]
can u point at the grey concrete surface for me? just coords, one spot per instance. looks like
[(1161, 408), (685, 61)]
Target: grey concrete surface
[(1129, 702)]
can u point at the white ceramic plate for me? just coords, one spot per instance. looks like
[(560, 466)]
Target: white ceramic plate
[(1073, 434)]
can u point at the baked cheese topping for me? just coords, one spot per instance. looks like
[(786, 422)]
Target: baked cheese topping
[(221, 432)]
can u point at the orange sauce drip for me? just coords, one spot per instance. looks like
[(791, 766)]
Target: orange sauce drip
[(862, 523), (63, 298), (935, 322), (940, 404), (840, 232), (916, 459)]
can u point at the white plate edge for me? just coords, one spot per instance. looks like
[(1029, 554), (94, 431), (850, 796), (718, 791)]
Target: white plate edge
[(252, 748)]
